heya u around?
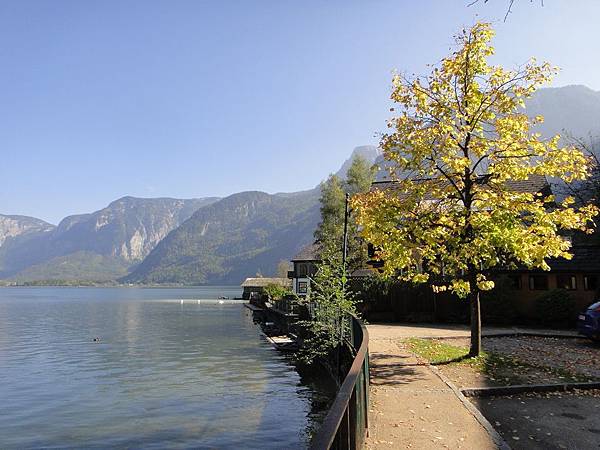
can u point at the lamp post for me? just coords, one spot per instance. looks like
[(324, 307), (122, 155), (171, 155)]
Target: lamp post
[(344, 257), (345, 246)]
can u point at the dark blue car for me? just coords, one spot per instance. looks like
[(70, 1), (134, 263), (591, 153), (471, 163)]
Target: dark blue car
[(588, 322)]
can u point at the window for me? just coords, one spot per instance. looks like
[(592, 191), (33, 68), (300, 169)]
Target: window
[(514, 281), (590, 282), (538, 282), (302, 287), (302, 270), (568, 282), (371, 250)]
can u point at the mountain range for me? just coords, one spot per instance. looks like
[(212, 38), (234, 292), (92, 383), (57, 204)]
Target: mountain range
[(211, 240), (103, 245), (234, 238), (162, 240)]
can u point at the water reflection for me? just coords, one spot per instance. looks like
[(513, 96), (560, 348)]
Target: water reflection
[(163, 374)]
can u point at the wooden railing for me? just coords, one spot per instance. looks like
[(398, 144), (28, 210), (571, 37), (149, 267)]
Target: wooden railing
[(285, 306), (346, 424)]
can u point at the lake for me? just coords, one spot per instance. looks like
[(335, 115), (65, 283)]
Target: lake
[(161, 374)]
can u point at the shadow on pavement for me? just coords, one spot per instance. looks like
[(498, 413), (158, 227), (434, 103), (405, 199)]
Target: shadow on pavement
[(390, 370)]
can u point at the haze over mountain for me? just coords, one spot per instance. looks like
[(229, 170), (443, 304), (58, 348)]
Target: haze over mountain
[(569, 110), (211, 240), (368, 152)]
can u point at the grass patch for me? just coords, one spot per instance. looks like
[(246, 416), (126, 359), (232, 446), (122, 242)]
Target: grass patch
[(499, 368), (434, 351)]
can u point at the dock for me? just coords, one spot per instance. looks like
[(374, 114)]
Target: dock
[(283, 343), (253, 307)]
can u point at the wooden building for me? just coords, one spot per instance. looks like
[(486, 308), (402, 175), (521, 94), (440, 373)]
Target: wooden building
[(305, 266), (580, 276)]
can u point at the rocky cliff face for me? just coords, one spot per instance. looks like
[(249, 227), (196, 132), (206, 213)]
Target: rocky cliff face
[(112, 239), (231, 239), (13, 226), (238, 236), (368, 152), (129, 228), (569, 110)]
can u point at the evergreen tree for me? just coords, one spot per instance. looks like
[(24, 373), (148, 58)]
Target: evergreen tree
[(331, 228), (330, 232), (360, 176)]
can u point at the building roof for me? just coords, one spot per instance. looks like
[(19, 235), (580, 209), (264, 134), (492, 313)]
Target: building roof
[(586, 258), (308, 253), (535, 183), (264, 281)]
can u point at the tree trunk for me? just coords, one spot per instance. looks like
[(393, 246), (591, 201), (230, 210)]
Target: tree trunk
[(475, 323)]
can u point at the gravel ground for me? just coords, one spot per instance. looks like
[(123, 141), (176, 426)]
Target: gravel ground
[(546, 421), (577, 356), (580, 356)]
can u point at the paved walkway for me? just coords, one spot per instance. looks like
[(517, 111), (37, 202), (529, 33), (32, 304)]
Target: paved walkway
[(411, 407)]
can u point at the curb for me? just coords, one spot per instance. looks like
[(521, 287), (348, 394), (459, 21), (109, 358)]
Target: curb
[(515, 334), (524, 388), (534, 334), (498, 440)]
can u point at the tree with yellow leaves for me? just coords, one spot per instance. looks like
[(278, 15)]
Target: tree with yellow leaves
[(457, 151)]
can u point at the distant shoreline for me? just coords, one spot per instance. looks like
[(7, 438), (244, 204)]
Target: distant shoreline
[(80, 284)]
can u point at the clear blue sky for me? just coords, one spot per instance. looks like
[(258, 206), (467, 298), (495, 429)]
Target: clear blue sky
[(100, 99)]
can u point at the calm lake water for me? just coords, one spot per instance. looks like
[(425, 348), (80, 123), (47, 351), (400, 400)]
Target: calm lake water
[(163, 374)]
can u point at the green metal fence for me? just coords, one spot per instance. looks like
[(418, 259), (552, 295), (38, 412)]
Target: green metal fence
[(346, 424)]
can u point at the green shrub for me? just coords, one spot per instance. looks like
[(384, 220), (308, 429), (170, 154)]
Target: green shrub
[(556, 308), (331, 305), (276, 291)]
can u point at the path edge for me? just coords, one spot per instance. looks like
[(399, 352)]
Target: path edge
[(501, 444), (527, 388)]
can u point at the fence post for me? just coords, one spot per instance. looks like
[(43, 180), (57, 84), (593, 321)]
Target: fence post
[(352, 412), (366, 381)]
